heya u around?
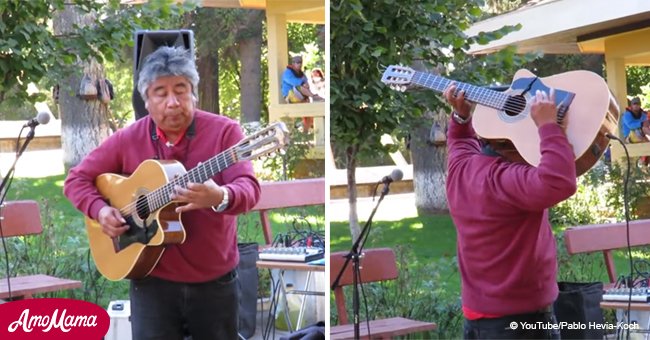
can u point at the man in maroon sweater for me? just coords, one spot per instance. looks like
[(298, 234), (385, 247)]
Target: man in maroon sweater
[(506, 250), (194, 285)]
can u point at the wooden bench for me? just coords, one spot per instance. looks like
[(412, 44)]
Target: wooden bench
[(605, 238), (21, 218), (286, 194), (377, 264)]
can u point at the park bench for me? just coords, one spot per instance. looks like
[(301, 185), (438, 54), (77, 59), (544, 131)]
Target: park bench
[(606, 238), (22, 218), (287, 194), (376, 265)]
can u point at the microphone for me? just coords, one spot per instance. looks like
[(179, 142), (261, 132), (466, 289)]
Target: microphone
[(41, 118), (396, 175)]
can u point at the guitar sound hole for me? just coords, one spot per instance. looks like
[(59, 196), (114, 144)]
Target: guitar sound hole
[(142, 207), (514, 105)]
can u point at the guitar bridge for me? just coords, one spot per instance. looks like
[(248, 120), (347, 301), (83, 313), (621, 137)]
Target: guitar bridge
[(563, 107)]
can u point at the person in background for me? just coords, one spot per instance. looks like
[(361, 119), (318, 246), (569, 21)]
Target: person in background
[(506, 250), (295, 85), (194, 284), (635, 126), (317, 83)]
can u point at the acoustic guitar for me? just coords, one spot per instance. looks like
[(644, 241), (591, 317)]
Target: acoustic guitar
[(143, 200), (584, 102)]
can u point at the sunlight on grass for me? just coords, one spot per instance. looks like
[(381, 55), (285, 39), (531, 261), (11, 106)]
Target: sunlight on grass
[(416, 226)]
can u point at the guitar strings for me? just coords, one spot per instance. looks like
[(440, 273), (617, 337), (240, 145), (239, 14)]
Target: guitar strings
[(505, 101), (161, 194)]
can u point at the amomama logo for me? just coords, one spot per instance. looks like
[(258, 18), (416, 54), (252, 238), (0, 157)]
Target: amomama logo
[(52, 319)]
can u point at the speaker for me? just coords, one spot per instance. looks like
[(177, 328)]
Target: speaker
[(146, 42)]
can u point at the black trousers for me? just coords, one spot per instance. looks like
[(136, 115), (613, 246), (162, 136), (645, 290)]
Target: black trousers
[(536, 325), (165, 310)]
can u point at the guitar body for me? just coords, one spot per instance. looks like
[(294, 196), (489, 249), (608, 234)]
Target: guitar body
[(134, 254), (144, 202), (592, 113)]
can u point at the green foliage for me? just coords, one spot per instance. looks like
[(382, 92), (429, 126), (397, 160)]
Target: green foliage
[(638, 77), (31, 52), (599, 198), (369, 35)]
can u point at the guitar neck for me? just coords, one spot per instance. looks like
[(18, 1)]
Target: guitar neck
[(199, 174), (476, 94)]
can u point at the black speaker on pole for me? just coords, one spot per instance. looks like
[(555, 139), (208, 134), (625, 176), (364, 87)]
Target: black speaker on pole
[(146, 42)]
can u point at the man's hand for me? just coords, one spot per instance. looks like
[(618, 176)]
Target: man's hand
[(542, 108), (197, 196), (457, 101), (112, 222)]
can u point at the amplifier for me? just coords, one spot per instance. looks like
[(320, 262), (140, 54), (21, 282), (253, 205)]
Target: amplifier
[(292, 254), (623, 294)]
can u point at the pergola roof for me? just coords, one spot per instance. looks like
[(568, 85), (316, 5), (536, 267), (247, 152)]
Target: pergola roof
[(303, 11), (566, 26)]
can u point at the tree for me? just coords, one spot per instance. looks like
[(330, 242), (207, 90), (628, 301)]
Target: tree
[(369, 35), (86, 31), (85, 122), (236, 37)]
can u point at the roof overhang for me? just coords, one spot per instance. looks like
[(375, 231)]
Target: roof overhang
[(565, 26), (303, 11)]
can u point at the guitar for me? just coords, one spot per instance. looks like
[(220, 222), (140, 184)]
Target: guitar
[(503, 118), (143, 200)]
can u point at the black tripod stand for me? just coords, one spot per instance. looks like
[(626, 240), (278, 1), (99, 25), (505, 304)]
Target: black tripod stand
[(355, 255), (4, 188), (6, 181)]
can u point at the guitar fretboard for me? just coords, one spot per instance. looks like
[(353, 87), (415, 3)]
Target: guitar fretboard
[(480, 95), (199, 174)]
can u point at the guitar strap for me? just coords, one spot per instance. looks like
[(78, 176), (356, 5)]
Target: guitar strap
[(191, 132)]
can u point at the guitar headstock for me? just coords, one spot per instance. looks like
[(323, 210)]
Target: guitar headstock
[(398, 77), (263, 142)]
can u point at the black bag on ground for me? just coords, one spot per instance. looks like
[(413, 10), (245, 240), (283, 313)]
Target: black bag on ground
[(247, 272), (579, 304), (312, 332)]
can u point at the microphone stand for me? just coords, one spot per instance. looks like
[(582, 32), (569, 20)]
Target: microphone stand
[(4, 188), (19, 151), (354, 256)]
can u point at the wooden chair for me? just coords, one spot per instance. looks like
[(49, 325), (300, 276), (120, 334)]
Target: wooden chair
[(377, 264), (20, 218), (286, 194), (605, 238)]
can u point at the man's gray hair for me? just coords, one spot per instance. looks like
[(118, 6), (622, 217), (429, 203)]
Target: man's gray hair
[(168, 61)]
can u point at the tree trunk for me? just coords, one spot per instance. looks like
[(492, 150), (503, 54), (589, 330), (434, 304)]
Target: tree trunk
[(208, 66), (429, 160), (351, 162), (250, 56), (84, 123)]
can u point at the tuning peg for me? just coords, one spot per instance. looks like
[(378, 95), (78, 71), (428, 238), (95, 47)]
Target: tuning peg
[(403, 88)]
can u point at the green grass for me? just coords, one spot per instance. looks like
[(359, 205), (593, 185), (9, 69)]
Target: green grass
[(429, 237), (434, 237), (62, 248)]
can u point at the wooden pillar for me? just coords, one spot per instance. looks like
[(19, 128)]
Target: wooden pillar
[(278, 58)]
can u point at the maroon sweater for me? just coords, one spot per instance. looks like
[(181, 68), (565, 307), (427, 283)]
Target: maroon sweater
[(210, 247), (506, 250)]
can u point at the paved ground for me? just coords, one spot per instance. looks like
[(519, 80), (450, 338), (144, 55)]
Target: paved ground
[(33, 163), (392, 208)]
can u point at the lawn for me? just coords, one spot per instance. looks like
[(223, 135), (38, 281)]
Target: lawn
[(434, 237), (429, 237), (62, 248)]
